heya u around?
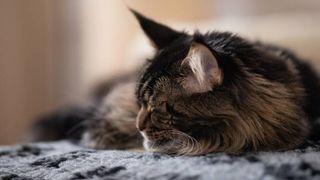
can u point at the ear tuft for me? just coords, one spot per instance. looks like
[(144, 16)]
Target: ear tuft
[(159, 34), (204, 72)]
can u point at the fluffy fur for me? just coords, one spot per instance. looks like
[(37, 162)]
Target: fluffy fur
[(204, 93)]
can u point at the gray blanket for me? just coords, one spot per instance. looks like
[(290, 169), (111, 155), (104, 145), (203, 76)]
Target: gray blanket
[(63, 160)]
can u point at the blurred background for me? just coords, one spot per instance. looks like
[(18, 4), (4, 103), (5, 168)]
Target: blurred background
[(53, 51)]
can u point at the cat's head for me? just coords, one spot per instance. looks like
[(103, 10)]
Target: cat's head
[(215, 92)]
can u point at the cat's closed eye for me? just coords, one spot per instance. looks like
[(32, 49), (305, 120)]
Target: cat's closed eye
[(160, 117)]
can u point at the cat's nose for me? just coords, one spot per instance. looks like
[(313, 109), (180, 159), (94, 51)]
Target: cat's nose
[(142, 119)]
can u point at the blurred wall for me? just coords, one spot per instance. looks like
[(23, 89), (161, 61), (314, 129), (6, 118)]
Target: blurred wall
[(25, 78)]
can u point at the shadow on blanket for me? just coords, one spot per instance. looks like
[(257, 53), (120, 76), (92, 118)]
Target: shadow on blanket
[(63, 160)]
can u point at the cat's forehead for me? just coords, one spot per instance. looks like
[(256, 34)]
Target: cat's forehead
[(162, 69)]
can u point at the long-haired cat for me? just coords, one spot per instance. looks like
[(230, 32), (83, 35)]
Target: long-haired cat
[(200, 93)]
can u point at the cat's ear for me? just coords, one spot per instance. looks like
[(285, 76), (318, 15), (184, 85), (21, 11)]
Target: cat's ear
[(160, 35), (203, 71)]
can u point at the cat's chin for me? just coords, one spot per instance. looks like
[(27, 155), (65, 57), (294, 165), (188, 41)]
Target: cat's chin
[(157, 147), (176, 145), (166, 147), (151, 146)]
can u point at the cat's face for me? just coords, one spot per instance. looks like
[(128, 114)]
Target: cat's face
[(196, 91), (172, 92)]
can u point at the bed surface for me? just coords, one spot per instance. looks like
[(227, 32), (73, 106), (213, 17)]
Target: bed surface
[(63, 160)]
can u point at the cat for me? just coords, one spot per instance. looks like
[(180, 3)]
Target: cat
[(199, 94)]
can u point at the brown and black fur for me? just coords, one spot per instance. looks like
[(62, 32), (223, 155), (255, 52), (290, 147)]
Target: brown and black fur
[(244, 96)]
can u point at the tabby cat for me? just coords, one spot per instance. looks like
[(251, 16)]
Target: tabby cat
[(200, 93)]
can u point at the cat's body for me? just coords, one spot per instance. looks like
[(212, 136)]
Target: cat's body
[(206, 93)]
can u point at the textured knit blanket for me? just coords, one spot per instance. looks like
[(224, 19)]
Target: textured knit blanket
[(63, 160)]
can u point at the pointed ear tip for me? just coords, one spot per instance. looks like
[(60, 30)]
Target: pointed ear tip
[(135, 13), (132, 10)]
